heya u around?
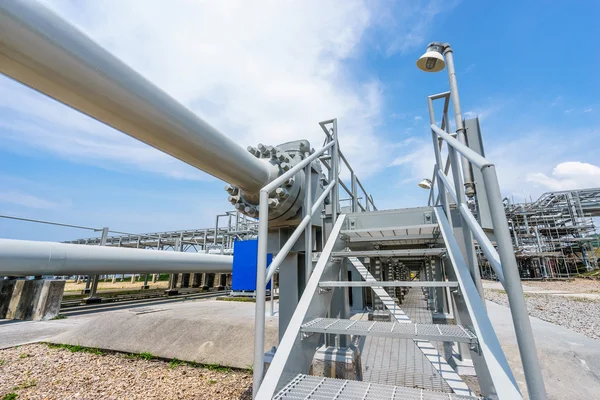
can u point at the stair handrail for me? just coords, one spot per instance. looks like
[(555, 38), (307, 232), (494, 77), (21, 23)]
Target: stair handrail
[(264, 274), (505, 264)]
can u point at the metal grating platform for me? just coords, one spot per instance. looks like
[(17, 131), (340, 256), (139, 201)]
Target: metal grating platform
[(444, 333), (319, 388), (434, 252), (387, 284)]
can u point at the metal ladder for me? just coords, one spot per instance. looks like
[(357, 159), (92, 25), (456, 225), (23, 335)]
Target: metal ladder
[(287, 378)]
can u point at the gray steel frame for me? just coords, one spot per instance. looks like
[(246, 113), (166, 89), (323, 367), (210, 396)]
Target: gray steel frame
[(508, 264)]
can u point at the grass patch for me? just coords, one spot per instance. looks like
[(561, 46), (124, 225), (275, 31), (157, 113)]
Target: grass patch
[(76, 348), (10, 396), (2, 362), (212, 381), (240, 299), (585, 300), (59, 316), (216, 367), (24, 355), (174, 363), (141, 356)]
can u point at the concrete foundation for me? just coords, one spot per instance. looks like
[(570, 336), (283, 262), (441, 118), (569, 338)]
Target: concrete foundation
[(6, 290), (337, 362), (31, 299)]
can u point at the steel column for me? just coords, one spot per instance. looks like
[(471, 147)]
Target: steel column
[(514, 290), (261, 275)]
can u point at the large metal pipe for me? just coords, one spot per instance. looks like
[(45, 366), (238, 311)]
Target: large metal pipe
[(27, 258), (43, 51)]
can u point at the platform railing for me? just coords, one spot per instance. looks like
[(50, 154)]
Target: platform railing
[(329, 152), (503, 259)]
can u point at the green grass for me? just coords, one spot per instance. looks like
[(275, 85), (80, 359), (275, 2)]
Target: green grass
[(240, 299), (10, 396), (216, 367), (76, 348), (2, 362), (24, 355), (212, 381), (26, 384), (584, 299), (59, 316), (174, 363), (141, 356)]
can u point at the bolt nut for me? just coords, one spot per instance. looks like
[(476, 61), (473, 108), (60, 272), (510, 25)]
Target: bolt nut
[(232, 190), (282, 193), (285, 166), (273, 203), (289, 182), (254, 151)]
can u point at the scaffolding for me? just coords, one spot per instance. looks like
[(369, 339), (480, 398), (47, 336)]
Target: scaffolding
[(554, 236)]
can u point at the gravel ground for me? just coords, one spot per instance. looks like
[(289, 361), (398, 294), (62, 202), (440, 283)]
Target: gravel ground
[(39, 372), (573, 285), (578, 314)]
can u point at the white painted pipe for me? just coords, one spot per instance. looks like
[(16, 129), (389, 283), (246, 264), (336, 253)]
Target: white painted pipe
[(43, 51), (29, 258)]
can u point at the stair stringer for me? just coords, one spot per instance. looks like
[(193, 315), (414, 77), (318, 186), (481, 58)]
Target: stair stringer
[(491, 366), (295, 353), (429, 350)]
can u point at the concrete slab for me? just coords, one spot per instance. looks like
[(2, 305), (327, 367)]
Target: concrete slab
[(207, 331), (16, 333), (570, 361)]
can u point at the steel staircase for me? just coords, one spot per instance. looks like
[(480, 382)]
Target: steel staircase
[(286, 379), (424, 255)]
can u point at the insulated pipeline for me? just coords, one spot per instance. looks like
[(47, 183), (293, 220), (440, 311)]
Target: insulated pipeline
[(30, 258)]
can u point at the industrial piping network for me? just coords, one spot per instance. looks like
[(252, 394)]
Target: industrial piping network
[(41, 50)]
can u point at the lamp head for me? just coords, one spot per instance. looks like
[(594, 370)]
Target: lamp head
[(425, 184), (432, 60)]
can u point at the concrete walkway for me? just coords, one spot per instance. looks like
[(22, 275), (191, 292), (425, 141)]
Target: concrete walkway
[(16, 333), (570, 361), (204, 330)]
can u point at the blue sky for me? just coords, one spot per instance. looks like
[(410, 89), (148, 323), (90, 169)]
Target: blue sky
[(269, 74)]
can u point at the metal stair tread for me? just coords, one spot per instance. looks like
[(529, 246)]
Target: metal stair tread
[(431, 252), (434, 332), (320, 388), (326, 284)]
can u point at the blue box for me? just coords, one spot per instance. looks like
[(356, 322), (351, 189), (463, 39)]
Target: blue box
[(245, 253)]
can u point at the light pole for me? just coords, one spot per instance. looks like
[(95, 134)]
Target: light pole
[(433, 61)]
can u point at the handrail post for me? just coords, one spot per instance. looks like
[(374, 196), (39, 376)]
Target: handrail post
[(308, 230), (261, 267), (354, 192), (514, 290), (467, 234), (335, 161), (438, 162)]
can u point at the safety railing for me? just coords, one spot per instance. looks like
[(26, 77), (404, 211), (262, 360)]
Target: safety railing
[(355, 183), (330, 156), (502, 260)]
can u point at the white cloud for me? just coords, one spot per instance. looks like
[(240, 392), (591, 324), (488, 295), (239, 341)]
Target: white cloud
[(568, 175), (259, 73), (27, 200)]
